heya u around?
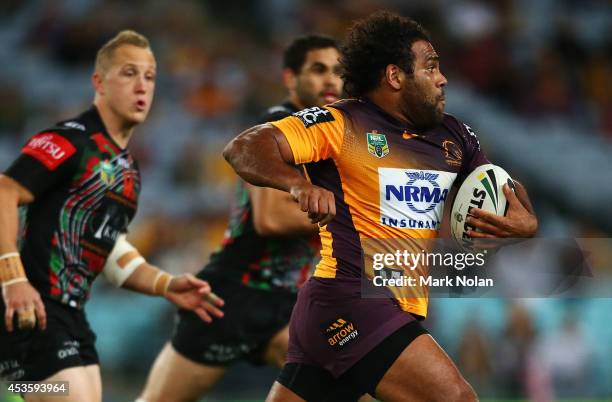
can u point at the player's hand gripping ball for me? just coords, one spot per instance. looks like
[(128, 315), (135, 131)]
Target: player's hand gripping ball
[(481, 189)]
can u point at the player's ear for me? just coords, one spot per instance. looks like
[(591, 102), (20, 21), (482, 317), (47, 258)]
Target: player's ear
[(96, 81), (289, 78), (393, 76)]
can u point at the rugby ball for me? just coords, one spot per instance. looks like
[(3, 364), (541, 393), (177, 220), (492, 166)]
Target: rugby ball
[(481, 189)]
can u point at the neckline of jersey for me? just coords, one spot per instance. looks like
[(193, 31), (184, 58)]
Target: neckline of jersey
[(99, 125), (403, 127)]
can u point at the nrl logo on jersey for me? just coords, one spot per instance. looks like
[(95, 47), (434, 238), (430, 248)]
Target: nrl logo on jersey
[(107, 173), (377, 144)]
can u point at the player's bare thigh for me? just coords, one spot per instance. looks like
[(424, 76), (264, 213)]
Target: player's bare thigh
[(84, 382), (93, 371), (276, 351), (424, 372), (174, 378)]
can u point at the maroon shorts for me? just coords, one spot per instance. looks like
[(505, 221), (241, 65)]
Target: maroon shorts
[(333, 327)]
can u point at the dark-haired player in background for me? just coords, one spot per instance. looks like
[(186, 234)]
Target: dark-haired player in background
[(81, 186), (268, 252), (393, 132)]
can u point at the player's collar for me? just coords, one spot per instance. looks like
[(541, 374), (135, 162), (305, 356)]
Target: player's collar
[(93, 122)]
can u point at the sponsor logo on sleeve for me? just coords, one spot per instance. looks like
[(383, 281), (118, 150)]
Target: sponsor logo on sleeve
[(314, 115), (413, 199), (50, 149)]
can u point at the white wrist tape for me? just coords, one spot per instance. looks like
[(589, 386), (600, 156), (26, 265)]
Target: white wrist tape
[(121, 262), (161, 283)]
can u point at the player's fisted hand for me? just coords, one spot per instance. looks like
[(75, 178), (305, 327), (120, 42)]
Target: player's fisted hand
[(518, 222), (316, 201), (23, 299)]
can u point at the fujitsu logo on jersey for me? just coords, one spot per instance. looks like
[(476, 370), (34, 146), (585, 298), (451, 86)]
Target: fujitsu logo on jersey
[(50, 149), (45, 143)]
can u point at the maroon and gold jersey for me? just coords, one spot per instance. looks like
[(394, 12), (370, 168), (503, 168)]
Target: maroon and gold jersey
[(389, 181)]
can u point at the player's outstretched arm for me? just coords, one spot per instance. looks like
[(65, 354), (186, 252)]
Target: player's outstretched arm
[(262, 156), (126, 268), (19, 295), (520, 220), (185, 291)]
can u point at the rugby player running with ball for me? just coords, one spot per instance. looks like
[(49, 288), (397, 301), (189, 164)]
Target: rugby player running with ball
[(394, 125)]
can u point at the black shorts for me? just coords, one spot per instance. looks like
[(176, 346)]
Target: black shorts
[(35, 355), (252, 317), (315, 384)]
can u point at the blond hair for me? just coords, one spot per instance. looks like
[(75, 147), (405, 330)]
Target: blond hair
[(104, 56)]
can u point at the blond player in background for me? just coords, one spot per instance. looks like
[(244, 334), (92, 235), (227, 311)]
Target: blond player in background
[(81, 186)]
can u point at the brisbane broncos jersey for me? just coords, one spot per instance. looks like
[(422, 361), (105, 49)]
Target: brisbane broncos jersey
[(389, 181), (86, 191)]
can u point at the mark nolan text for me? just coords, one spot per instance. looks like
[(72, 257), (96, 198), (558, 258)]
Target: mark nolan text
[(447, 281)]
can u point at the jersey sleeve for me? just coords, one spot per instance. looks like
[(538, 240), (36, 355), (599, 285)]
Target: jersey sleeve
[(313, 134), (47, 159), (474, 155)]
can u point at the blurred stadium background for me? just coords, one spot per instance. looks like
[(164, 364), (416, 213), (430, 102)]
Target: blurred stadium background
[(531, 77)]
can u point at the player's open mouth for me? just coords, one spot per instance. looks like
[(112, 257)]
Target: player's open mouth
[(141, 105)]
